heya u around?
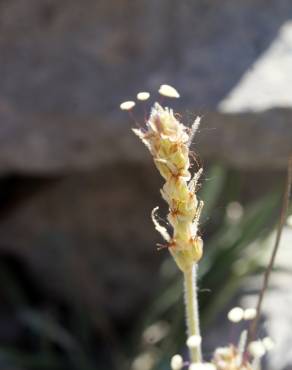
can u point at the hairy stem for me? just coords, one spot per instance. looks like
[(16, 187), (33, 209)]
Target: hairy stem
[(192, 312)]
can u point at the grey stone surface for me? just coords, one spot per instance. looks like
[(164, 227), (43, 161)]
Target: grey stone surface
[(66, 65)]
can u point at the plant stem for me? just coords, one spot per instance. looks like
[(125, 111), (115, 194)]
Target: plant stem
[(192, 312)]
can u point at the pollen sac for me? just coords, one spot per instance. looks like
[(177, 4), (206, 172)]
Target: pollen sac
[(127, 105), (143, 95), (168, 91)]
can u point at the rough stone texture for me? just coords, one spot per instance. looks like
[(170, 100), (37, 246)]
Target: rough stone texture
[(66, 65), (58, 144)]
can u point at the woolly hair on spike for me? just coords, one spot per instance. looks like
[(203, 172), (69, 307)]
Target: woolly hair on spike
[(162, 230), (194, 129)]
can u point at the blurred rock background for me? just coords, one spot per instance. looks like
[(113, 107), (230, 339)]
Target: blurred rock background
[(77, 247)]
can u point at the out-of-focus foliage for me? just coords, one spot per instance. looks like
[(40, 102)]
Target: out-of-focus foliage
[(64, 338), (238, 239)]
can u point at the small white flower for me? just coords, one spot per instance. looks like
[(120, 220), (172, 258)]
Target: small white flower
[(127, 105), (143, 95), (168, 91), (235, 314), (176, 362), (194, 341)]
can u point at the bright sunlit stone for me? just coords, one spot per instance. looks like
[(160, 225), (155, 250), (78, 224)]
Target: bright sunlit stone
[(168, 91)]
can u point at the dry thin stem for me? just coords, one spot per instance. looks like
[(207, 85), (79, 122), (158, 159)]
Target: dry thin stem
[(192, 312), (283, 214)]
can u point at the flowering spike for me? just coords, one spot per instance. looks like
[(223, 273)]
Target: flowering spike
[(167, 140)]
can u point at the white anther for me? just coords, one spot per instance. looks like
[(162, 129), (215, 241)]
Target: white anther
[(168, 91), (143, 95), (127, 105)]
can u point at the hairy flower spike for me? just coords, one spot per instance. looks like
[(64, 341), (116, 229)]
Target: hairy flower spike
[(168, 141)]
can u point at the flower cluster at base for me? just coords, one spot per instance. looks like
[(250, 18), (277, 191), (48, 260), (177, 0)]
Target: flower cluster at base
[(168, 140)]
